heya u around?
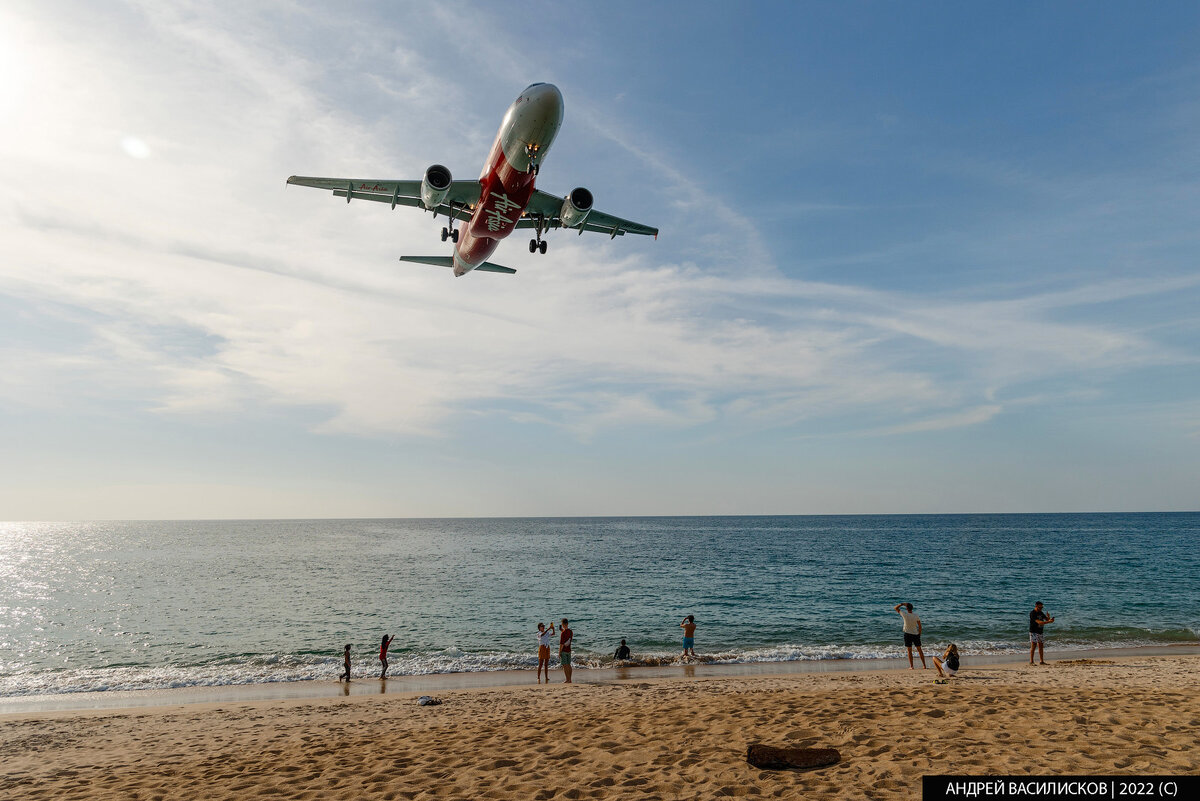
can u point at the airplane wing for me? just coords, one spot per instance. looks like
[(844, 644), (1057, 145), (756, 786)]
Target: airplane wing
[(548, 206), (462, 194)]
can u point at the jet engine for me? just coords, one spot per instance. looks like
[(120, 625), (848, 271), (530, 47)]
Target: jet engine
[(575, 207), (435, 186)]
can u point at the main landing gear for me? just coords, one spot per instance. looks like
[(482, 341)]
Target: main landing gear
[(537, 244), (450, 233)]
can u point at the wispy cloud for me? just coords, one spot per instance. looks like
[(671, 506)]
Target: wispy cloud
[(205, 287)]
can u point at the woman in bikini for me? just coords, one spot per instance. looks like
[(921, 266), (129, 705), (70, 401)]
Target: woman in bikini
[(543, 638)]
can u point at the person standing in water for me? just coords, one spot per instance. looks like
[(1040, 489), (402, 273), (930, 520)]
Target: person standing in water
[(689, 635), (383, 649), (622, 651), (346, 662), (543, 637)]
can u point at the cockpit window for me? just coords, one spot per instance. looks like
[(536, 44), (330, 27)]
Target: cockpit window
[(540, 83)]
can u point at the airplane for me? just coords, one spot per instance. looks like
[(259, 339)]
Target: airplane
[(502, 200)]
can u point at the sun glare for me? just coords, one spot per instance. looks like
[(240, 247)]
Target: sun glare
[(135, 147), (15, 68)]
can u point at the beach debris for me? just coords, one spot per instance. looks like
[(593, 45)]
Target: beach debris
[(428, 700), (771, 758)]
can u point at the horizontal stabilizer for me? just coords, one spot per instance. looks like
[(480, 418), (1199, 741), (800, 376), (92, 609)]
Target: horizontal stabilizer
[(448, 261), (488, 267)]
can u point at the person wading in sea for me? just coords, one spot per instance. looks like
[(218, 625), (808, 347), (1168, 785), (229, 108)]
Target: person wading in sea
[(622, 651), (383, 649), (689, 635)]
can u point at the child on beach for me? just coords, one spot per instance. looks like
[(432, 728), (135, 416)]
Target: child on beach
[(689, 635), (948, 663), (543, 638), (383, 649), (346, 675)]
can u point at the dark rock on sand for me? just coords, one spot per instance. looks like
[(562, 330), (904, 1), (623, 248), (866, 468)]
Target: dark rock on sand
[(771, 758)]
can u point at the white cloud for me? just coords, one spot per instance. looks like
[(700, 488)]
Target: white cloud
[(207, 287)]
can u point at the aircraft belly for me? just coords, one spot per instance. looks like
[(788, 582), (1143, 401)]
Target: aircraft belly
[(503, 196)]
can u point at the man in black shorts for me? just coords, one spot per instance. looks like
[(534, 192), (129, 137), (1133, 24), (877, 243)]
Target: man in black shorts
[(912, 632), (1037, 619)]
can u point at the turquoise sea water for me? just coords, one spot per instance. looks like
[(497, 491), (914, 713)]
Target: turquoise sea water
[(132, 605)]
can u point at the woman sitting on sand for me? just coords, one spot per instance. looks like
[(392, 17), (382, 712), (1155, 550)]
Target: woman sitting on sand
[(948, 663), (543, 638)]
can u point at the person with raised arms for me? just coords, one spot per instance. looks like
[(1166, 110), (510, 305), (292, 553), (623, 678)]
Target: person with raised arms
[(689, 635), (383, 651), (912, 632)]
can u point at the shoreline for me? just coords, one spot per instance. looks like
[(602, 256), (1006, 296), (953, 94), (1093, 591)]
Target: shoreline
[(660, 738), (400, 685)]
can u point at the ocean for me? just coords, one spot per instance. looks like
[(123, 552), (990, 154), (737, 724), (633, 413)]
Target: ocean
[(102, 606)]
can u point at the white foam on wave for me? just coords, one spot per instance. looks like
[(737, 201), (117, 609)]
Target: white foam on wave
[(269, 668)]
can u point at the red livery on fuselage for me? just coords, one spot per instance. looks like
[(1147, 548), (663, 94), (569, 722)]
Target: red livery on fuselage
[(506, 184)]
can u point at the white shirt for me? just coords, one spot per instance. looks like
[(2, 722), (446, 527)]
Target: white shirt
[(544, 637), (912, 623)]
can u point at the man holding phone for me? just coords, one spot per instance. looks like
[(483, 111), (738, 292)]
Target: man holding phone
[(1037, 619)]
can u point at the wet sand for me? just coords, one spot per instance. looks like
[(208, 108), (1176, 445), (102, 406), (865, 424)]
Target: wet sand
[(439, 682), (647, 737)]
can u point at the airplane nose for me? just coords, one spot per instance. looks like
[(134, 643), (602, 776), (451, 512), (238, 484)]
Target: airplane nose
[(547, 98)]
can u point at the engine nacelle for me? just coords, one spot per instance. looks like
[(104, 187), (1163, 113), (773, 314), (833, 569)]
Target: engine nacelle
[(575, 207), (435, 186)]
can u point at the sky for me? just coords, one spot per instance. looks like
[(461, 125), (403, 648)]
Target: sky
[(914, 258)]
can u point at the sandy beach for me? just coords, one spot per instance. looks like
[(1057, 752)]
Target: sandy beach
[(661, 738)]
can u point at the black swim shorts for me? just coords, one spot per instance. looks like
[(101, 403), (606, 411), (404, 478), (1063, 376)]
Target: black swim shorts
[(912, 639)]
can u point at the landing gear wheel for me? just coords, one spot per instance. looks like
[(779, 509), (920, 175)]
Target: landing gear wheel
[(445, 234), (542, 247), (454, 235), (533, 245)]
